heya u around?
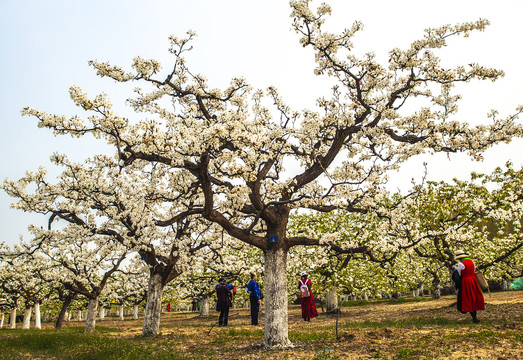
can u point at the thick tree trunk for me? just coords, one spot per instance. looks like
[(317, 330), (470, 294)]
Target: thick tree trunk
[(2, 321), (331, 299), (68, 316), (63, 312), (38, 320), (135, 312), (12, 319), (153, 306), (26, 324), (79, 315), (122, 317), (276, 303), (90, 318), (436, 293), (204, 306), (101, 315)]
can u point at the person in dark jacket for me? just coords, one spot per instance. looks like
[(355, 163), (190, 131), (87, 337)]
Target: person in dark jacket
[(223, 303), (255, 297), (470, 293)]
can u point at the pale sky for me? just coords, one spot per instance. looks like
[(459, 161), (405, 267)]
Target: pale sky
[(46, 45)]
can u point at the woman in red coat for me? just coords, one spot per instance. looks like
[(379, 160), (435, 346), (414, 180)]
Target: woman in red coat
[(308, 308), (471, 295)]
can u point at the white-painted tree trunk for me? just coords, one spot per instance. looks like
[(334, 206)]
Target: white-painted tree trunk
[(101, 315), (122, 317), (436, 293), (276, 312), (12, 319), (26, 324), (153, 306), (2, 321), (365, 296), (38, 319), (506, 285), (331, 299), (79, 315), (135, 312), (68, 316), (90, 318), (204, 306)]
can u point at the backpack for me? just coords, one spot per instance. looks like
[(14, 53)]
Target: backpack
[(304, 289)]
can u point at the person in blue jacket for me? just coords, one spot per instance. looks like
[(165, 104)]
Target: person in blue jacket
[(255, 296)]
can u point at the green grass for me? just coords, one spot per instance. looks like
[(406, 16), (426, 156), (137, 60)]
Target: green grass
[(399, 301), (70, 343), (415, 322)]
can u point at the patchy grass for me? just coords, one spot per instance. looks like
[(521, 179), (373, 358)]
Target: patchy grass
[(377, 330)]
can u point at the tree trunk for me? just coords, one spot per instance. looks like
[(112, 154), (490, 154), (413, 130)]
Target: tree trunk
[(436, 293), (68, 316), (12, 319), (101, 315), (2, 321), (135, 312), (90, 318), (79, 315), (506, 285), (38, 320), (122, 318), (276, 312), (153, 306), (331, 299), (26, 324), (63, 311), (204, 306)]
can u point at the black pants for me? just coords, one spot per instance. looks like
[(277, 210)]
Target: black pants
[(224, 316), (255, 309)]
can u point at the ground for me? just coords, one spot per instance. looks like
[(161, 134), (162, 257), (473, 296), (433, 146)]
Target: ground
[(414, 328)]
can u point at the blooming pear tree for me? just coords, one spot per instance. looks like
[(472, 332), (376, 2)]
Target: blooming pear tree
[(140, 209), (481, 216), (238, 145), (23, 276), (336, 271), (129, 287), (227, 258), (11, 297), (87, 262)]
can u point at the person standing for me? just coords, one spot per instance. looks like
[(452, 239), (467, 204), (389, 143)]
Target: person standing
[(223, 302), (469, 291), (194, 303), (308, 308), (255, 297)]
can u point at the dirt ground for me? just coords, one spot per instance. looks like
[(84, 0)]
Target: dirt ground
[(431, 329)]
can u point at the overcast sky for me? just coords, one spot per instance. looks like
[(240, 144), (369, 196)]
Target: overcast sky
[(46, 45)]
